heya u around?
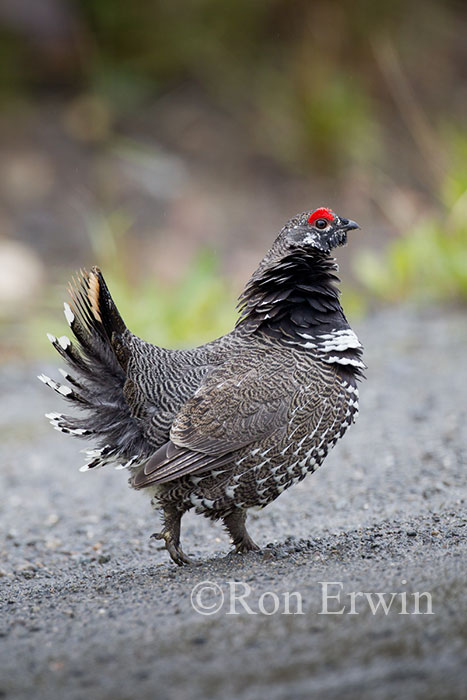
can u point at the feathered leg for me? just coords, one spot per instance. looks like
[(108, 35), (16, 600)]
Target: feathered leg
[(235, 525), (171, 535)]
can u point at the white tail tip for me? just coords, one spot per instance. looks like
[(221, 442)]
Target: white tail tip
[(69, 315)]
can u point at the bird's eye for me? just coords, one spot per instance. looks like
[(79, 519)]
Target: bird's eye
[(321, 223)]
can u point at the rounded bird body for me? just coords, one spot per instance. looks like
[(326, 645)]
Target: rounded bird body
[(277, 410), (229, 425)]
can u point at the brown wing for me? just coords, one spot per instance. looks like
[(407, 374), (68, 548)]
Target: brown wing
[(233, 408)]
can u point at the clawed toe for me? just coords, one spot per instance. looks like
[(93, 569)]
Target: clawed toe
[(178, 555), (175, 551)]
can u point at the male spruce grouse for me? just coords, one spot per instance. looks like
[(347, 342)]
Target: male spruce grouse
[(233, 423)]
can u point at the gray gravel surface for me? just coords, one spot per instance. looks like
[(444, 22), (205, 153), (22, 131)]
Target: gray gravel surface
[(92, 609)]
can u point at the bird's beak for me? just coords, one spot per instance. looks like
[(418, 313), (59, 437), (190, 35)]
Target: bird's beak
[(349, 225)]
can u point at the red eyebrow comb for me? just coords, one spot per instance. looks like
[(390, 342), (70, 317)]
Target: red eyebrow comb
[(322, 213)]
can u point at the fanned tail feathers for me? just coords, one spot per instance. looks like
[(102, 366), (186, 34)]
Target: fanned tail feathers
[(98, 359)]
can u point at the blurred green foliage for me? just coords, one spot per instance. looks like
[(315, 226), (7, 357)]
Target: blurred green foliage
[(428, 262), (185, 312), (198, 307)]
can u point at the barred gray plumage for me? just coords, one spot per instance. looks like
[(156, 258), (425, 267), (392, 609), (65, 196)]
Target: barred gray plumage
[(231, 424)]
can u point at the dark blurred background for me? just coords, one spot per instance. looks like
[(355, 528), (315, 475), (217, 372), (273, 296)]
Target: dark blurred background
[(169, 142)]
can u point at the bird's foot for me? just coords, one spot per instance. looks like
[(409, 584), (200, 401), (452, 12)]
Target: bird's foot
[(173, 547), (235, 525), (246, 545)]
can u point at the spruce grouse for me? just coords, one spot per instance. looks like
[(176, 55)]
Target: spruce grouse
[(231, 424)]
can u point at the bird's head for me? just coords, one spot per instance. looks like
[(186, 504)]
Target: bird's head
[(320, 229)]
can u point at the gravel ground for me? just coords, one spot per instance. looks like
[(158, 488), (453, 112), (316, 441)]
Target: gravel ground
[(92, 609)]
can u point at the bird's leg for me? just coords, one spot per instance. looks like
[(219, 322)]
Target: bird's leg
[(171, 535), (235, 525)]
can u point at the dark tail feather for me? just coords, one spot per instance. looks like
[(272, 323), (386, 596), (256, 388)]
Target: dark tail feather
[(99, 359), (93, 316), (110, 316)]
